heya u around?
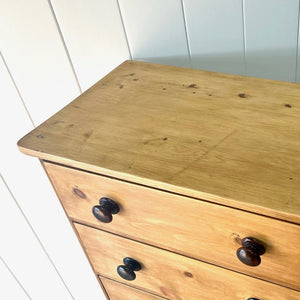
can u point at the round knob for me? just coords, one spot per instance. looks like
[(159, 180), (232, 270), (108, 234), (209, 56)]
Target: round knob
[(127, 271), (250, 252), (105, 210), (252, 299)]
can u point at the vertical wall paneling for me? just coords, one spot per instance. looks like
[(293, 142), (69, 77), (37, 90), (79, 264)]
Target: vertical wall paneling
[(271, 28), (35, 196), (94, 35), (44, 43), (10, 287), (32, 47), (156, 31), (215, 31), (24, 256)]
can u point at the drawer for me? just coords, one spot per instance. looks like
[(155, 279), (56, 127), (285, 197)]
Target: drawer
[(171, 275), (191, 227), (119, 291)]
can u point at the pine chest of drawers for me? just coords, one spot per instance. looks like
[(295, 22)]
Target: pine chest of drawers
[(180, 183)]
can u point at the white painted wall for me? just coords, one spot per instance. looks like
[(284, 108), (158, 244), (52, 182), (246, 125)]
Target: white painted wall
[(271, 38), (216, 35), (51, 51)]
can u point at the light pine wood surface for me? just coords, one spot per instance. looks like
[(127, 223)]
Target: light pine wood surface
[(173, 276), (198, 229), (228, 139), (119, 291)]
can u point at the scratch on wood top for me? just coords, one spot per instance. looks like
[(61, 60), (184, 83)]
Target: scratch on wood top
[(203, 155)]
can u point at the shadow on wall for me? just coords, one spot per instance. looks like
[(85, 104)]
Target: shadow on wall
[(269, 64)]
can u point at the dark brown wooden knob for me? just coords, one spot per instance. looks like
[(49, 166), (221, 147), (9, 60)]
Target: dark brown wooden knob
[(105, 210), (127, 271), (250, 252)]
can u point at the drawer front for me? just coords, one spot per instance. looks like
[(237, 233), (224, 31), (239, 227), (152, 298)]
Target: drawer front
[(119, 291), (195, 228), (171, 275)]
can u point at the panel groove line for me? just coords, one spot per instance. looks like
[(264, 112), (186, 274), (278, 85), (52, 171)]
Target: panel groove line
[(215, 31), (156, 31), (35, 235), (94, 36), (30, 262), (31, 188), (186, 32), (11, 193), (64, 44), (13, 275), (17, 89), (36, 58), (124, 29)]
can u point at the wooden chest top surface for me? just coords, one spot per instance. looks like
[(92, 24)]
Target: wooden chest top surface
[(223, 138)]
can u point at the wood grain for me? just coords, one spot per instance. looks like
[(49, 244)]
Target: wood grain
[(119, 291), (173, 276), (194, 228), (228, 139)]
